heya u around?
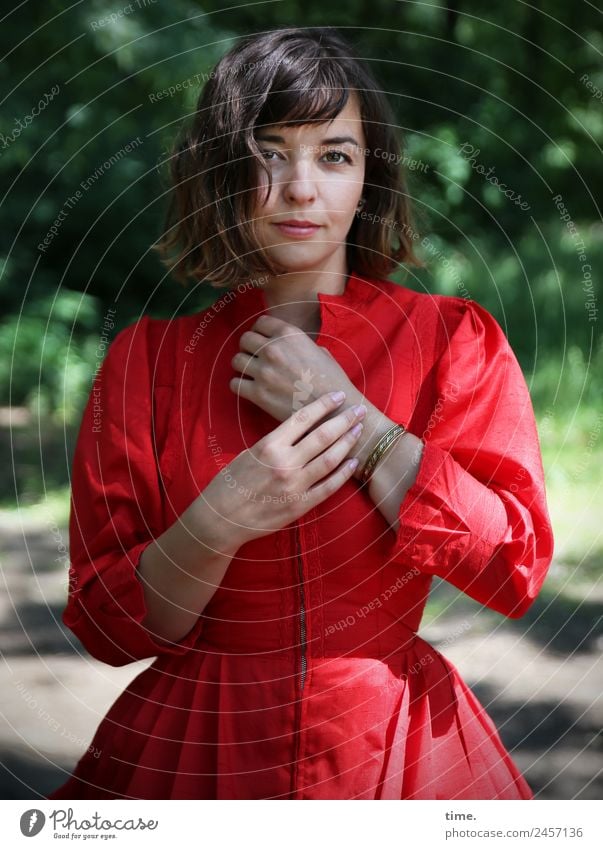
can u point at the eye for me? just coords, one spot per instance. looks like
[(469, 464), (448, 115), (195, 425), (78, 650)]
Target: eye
[(264, 152), (339, 153)]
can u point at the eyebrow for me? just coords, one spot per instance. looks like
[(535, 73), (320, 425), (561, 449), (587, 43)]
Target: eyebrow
[(333, 140)]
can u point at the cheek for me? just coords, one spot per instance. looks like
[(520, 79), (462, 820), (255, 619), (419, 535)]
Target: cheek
[(343, 206), (345, 195), (262, 212), (261, 192)]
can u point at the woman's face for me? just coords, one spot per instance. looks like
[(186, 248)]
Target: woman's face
[(317, 176)]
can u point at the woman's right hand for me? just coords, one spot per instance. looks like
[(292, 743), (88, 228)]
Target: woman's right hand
[(275, 481)]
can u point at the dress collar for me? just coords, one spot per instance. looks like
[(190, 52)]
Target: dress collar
[(248, 301)]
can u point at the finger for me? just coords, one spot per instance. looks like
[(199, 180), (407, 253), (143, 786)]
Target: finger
[(268, 325), (242, 387), (252, 342), (326, 434), (324, 463), (321, 491), (245, 363), (306, 417)]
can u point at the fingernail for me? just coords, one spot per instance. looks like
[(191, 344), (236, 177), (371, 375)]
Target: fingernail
[(337, 396), (356, 429), (353, 463), (359, 409)]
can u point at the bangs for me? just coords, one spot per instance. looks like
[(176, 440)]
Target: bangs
[(305, 91)]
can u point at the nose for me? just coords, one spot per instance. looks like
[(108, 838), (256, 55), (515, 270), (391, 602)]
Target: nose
[(299, 184)]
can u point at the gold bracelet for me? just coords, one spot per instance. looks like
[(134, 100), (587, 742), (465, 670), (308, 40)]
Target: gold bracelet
[(386, 441)]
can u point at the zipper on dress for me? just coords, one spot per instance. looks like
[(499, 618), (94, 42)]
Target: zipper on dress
[(302, 610)]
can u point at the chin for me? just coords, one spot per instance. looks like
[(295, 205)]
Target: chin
[(297, 259)]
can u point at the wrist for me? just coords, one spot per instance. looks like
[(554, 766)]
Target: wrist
[(376, 425), (396, 472), (209, 529)]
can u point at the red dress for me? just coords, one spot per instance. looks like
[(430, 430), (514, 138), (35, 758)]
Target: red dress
[(305, 677)]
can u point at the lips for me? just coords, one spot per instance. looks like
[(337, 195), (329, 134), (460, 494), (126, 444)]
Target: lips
[(297, 228), (298, 222)]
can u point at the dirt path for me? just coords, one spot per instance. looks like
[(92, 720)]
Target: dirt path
[(540, 678)]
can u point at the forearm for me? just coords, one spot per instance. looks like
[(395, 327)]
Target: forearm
[(396, 471), (181, 570), (394, 474)]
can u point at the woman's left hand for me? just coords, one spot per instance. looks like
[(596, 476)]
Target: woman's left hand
[(283, 369)]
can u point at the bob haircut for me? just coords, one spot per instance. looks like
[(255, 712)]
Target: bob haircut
[(282, 76)]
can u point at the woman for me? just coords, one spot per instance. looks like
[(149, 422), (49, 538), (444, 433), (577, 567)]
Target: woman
[(217, 522)]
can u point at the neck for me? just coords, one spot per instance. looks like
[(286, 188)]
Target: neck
[(293, 297)]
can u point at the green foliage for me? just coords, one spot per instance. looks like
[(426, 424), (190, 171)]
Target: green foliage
[(46, 355), (478, 90)]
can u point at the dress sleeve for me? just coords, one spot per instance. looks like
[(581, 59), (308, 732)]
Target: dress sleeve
[(476, 515), (116, 508)]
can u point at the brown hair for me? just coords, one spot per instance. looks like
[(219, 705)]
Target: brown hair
[(281, 76)]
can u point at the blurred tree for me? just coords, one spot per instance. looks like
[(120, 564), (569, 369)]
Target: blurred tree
[(482, 93)]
